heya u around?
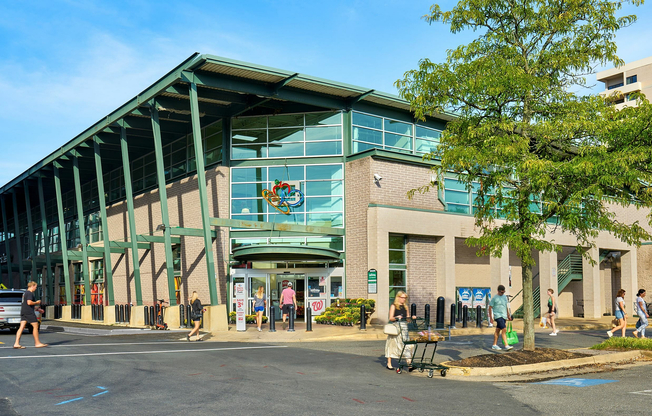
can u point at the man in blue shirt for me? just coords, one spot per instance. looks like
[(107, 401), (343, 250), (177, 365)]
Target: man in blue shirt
[(499, 311)]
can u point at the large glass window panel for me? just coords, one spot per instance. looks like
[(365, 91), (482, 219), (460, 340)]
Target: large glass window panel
[(324, 188), (463, 209), (452, 183), (286, 173), (396, 257), (397, 279), (178, 156), (394, 140), (249, 136), (366, 135), (397, 242), (246, 190), (367, 121), (314, 119), (249, 175), (286, 120), (286, 219), (212, 129), (361, 147), (213, 156), (323, 148), (285, 135), (248, 206), (250, 217), (427, 133), (398, 127), (323, 133), (214, 141), (249, 123), (425, 146), (286, 149), (326, 219), (456, 197), (324, 172), (288, 241), (249, 152), (335, 243)]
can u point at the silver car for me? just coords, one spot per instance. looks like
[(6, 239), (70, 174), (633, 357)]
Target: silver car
[(10, 303)]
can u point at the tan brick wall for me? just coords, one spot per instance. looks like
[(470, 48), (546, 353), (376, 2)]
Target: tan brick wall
[(357, 183), (422, 272), (644, 267), (398, 179)]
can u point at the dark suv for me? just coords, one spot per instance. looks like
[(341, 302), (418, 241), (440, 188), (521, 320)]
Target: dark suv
[(10, 302)]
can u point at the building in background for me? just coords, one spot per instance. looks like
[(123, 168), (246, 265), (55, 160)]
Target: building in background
[(622, 82)]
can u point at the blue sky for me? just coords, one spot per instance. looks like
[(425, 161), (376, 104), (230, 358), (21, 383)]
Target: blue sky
[(65, 64)]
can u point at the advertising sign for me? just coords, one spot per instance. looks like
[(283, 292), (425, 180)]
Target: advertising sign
[(317, 306), (372, 281), (479, 297), (465, 295), (240, 307), (322, 280)]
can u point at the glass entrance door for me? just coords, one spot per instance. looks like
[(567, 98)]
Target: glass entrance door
[(254, 282), (282, 281)]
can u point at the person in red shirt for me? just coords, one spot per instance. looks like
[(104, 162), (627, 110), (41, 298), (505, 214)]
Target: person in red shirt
[(288, 298)]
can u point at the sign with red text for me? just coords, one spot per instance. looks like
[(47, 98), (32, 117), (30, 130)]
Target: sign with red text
[(240, 307), (317, 306)]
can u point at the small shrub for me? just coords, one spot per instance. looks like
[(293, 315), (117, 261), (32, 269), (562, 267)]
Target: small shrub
[(620, 343)]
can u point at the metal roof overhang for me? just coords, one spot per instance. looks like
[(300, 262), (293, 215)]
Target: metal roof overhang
[(284, 253)]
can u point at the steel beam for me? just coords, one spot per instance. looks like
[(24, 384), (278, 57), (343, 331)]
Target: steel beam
[(260, 225), (163, 197), (146, 238), (7, 245), (30, 229), (203, 194), (19, 249), (191, 232), (82, 230), (46, 241), (108, 266), (62, 235), (126, 170)]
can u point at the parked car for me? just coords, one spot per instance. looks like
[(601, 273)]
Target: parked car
[(10, 302)]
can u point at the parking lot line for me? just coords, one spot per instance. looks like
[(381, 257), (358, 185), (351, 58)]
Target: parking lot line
[(97, 345)]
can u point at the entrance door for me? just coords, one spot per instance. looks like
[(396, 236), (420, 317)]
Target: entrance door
[(298, 284), (254, 281)]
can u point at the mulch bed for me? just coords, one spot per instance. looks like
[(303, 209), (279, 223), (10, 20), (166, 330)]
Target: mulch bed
[(508, 358)]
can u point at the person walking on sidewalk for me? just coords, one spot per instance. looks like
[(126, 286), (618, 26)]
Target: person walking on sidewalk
[(394, 345), (260, 303), (641, 311), (552, 311), (499, 311), (27, 316), (195, 315), (621, 315), (288, 299)]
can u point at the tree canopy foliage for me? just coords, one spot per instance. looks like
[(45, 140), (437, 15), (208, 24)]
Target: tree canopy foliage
[(540, 155)]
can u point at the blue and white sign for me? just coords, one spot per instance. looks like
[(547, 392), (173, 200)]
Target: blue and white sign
[(465, 296), (577, 382), (479, 297)]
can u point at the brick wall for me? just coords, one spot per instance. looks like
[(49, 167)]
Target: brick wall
[(358, 180), (422, 271)]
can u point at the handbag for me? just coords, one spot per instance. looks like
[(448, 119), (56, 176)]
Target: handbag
[(390, 329), (512, 336)]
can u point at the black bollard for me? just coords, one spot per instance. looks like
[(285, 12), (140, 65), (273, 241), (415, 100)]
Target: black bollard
[(441, 310), (152, 316), (478, 316), (146, 315), (181, 316), (459, 311), (127, 316), (413, 310), (308, 319), (426, 314), (117, 313), (465, 316), (188, 315), (272, 318), (291, 326), (122, 313), (452, 325), (363, 318)]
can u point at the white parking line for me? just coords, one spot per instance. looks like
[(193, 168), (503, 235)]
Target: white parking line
[(98, 345), (142, 352)]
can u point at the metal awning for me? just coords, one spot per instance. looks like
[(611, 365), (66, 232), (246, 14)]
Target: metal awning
[(274, 252)]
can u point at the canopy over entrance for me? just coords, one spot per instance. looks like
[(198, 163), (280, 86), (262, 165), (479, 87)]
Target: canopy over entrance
[(274, 252)]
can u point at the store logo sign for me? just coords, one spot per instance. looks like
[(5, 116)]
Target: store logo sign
[(283, 196)]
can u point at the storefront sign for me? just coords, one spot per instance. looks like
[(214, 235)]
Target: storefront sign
[(240, 307), (322, 280), (372, 281), (479, 297), (465, 296), (317, 306)]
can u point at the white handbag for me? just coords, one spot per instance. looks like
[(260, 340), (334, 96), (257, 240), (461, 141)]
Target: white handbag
[(390, 329)]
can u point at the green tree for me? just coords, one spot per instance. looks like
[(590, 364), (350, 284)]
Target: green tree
[(543, 158)]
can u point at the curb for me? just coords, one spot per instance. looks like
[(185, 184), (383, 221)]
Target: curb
[(105, 332), (553, 365)]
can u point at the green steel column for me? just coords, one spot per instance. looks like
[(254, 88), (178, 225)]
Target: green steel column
[(163, 196), (226, 141), (19, 249), (126, 170), (62, 235), (82, 229), (108, 267), (10, 266), (30, 229), (46, 241), (203, 193)]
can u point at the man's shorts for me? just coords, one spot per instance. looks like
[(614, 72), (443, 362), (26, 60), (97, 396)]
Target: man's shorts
[(259, 308), (500, 323), (286, 308), (30, 318)]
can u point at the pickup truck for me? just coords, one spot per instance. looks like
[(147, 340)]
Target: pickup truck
[(10, 302)]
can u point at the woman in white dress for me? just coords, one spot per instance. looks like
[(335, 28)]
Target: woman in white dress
[(394, 345)]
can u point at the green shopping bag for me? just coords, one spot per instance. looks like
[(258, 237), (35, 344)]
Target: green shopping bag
[(512, 336)]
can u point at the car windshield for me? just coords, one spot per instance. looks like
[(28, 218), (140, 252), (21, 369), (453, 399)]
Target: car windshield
[(11, 297)]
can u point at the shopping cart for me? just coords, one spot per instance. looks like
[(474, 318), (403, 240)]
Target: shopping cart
[(416, 335)]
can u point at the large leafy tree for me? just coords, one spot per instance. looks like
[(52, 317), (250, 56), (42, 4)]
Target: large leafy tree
[(540, 156)]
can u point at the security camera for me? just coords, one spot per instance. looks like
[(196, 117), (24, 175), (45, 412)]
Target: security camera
[(377, 177)]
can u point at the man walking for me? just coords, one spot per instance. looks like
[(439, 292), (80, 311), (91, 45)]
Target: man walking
[(498, 306), (288, 298), (27, 315)]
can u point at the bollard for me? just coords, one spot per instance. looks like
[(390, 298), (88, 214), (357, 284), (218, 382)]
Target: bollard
[(465, 316), (459, 311), (441, 310), (452, 325), (181, 317), (291, 327), (308, 319), (272, 318), (127, 316), (117, 313), (413, 310), (152, 316), (146, 316), (188, 315), (426, 314), (363, 318), (93, 312), (478, 316), (122, 313)]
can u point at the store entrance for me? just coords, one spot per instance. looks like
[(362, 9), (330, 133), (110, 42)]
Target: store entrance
[(282, 281)]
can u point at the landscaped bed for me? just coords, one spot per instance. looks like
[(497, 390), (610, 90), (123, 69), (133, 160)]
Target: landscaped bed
[(539, 355), (624, 344)]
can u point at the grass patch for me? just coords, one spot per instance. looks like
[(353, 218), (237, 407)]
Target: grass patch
[(621, 344)]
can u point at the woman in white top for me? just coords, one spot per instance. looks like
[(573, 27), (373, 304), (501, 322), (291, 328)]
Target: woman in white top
[(621, 315), (641, 311)]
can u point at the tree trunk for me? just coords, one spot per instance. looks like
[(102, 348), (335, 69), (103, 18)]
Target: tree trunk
[(528, 309)]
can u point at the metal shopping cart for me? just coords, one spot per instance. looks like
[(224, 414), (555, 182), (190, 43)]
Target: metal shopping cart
[(416, 335)]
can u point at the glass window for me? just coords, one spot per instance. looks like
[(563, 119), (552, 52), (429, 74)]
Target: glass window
[(394, 140), (366, 135), (366, 120), (246, 190), (336, 287), (326, 220), (321, 119), (285, 135), (397, 265), (323, 148), (425, 146), (632, 79), (285, 149), (398, 127), (323, 133), (324, 188), (361, 147), (316, 204), (324, 172), (249, 123), (286, 173), (248, 174), (250, 152), (249, 137), (286, 120)]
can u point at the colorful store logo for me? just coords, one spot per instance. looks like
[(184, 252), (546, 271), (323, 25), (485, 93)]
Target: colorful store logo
[(283, 196)]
